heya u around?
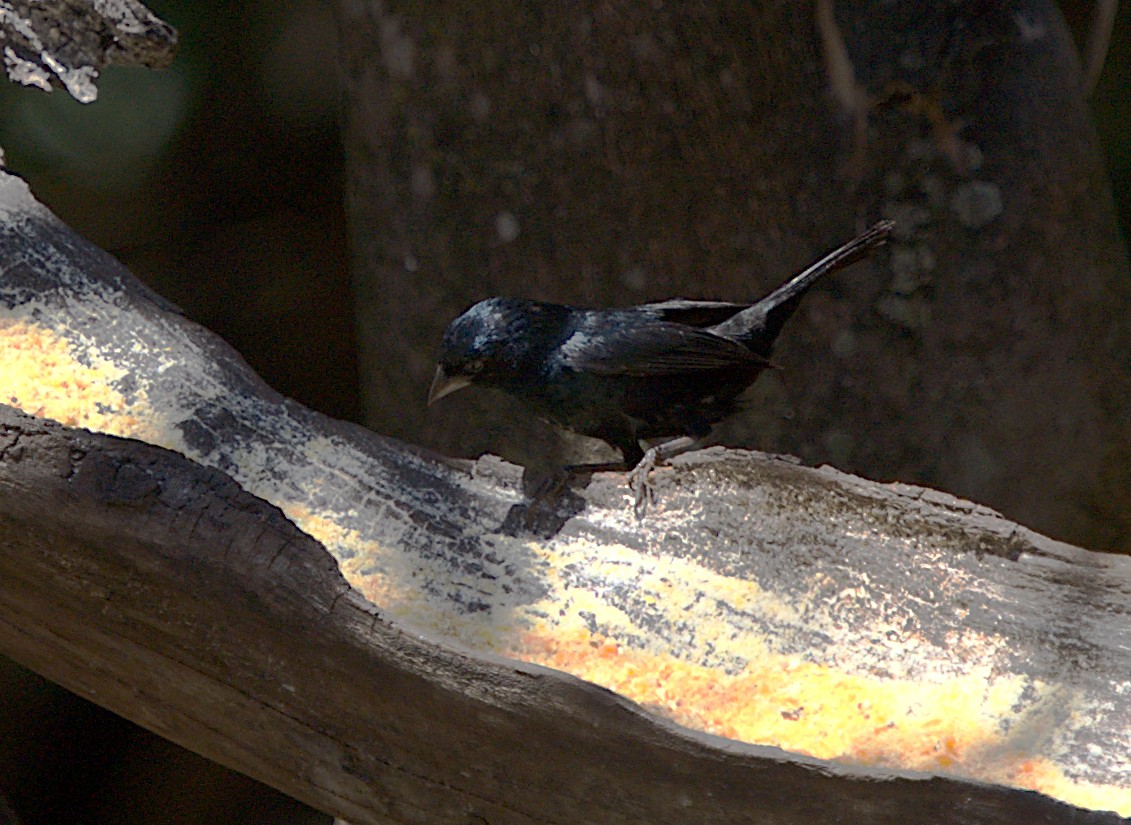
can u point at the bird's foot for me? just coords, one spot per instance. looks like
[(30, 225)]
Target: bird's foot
[(639, 484), (546, 484), (657, 454)]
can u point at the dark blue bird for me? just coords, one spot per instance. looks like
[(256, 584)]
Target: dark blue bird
[(664, 372)]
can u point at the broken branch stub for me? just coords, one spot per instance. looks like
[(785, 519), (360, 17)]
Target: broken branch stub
[(64, 43)]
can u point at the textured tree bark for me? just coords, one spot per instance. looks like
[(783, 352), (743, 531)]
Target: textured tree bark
[(163, 591), (883, 646), (607, 153)]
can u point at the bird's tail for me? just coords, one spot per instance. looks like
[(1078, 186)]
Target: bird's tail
[(845, 255), (758, 326)]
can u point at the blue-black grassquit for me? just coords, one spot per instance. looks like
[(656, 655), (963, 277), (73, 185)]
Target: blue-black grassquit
[(664, 372)]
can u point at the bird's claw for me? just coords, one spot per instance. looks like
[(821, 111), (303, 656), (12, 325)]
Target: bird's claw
[(640, 486)]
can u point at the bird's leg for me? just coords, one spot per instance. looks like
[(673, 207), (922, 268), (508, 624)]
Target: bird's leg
[(541, 485), (638, 475), (544, 485)]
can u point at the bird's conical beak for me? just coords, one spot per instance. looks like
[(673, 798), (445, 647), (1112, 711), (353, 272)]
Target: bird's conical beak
[(444, 384)]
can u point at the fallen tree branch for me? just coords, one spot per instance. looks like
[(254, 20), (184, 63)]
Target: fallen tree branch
[(66, 43), (160, 589), (887, 627)]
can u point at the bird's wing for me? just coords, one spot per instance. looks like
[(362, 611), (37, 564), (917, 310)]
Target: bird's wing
[(653, 349), (693, 313)]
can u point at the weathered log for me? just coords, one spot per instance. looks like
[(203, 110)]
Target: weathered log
[(891, 629), (162, 590)]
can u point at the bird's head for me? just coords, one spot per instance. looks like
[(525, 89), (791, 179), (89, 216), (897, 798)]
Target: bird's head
[(485, 345)]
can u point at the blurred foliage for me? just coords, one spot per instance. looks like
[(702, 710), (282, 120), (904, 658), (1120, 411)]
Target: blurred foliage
[(218, 182)]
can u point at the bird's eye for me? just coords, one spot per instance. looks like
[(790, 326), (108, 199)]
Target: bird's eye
[(473, 367)]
